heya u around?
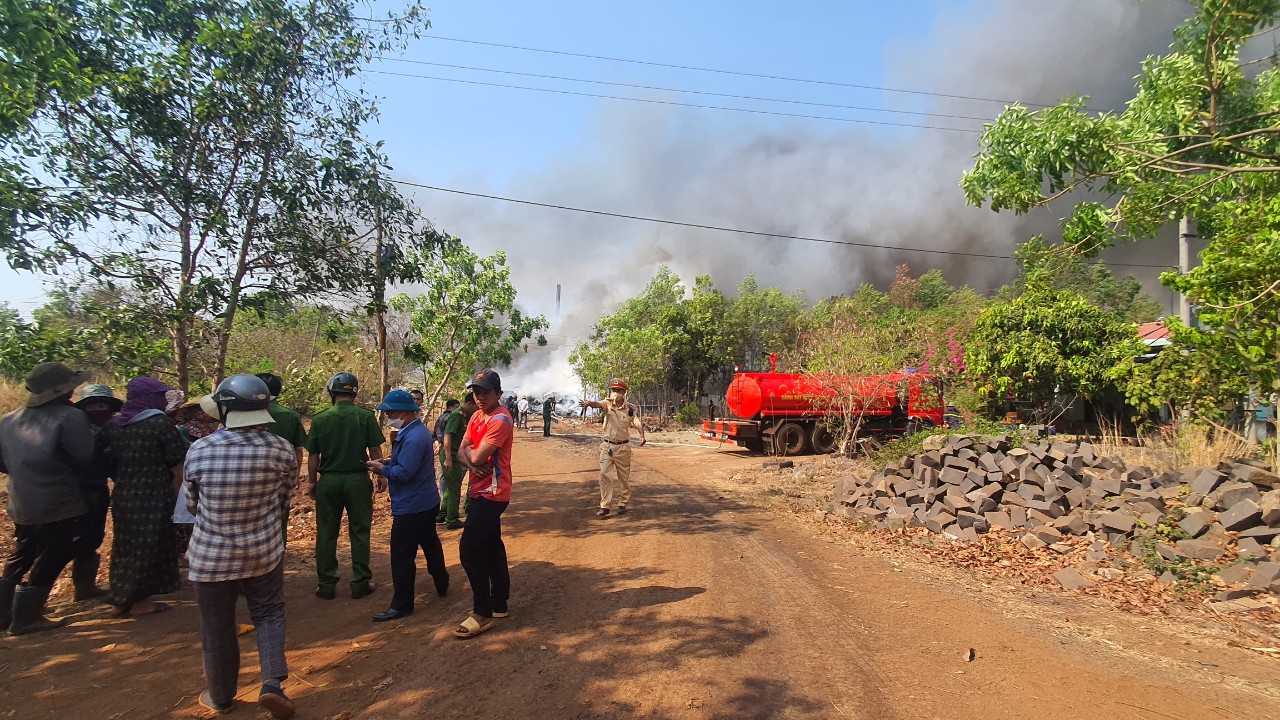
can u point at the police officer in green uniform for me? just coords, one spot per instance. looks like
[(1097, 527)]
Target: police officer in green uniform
[(342, 439), (287, 424)]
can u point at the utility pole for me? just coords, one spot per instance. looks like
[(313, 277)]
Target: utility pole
[(1184, 266)]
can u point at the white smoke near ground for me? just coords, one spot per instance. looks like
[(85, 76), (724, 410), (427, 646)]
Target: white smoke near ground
[(854, 183)]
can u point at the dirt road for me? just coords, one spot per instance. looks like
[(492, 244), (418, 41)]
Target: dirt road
[(697, 604)]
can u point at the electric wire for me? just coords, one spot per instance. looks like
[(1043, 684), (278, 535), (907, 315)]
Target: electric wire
[(675, 103), (718, 228), (680, 90), (739, 73)]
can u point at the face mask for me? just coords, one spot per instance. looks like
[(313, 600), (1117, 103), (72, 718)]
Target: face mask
[(99, 417), (618, 395), (395, 423)]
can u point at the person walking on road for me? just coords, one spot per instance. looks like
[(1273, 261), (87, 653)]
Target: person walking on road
[(46, 448), (343, 438), (620, 417), (239, 484), (486, 453), (411, 479), (455, 429)]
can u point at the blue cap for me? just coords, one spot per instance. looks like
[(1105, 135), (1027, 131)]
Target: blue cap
[(399, 400)]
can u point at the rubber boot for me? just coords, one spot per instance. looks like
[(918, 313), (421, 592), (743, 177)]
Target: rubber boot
[(7, 587), (28, 611), (84, 575)]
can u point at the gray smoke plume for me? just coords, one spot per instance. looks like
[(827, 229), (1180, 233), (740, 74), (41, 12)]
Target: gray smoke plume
[(865, 184)]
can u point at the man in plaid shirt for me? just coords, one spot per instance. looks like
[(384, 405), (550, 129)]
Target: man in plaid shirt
[(239, 483)]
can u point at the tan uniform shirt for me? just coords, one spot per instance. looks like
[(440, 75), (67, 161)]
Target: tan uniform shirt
[(619, 419)]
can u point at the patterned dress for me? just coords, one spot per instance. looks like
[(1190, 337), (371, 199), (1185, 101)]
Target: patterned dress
[(144, 551)]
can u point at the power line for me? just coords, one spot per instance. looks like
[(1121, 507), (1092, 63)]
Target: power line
[(674, 103), (699, 226), (739, 73), (679, 90)]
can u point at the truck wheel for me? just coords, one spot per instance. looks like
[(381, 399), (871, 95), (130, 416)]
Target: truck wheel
[(790, 439), (822, 440)]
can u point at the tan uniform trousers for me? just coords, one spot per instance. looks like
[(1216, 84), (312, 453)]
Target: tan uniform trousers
[(615, 474)]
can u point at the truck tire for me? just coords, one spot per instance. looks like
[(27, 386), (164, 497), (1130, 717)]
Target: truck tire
[(821, 439), (790, 439)]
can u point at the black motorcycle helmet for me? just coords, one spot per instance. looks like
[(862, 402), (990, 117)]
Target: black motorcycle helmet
[(343, 382), (241, 393)]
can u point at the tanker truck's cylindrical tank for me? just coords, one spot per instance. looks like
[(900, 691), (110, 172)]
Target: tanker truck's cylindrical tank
[(774, 393)]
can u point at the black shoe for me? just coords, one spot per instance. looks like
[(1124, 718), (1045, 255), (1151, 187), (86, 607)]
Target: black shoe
[(442, 585), (365, 591), (206, 701), (273, 700), (622, 509), (439, 519), (455, 525), (325, 593), (391, 614), (602, 512)]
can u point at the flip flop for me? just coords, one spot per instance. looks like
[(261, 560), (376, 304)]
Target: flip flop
[(473, 625)]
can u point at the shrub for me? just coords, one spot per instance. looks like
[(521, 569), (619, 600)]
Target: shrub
[(689, 415)]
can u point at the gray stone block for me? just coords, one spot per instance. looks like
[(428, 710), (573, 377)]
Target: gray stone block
[(1266, 574), (1250, 548), (1118, 521), (1206, 481), (1033, 542), (1046, 533), (1242, 515), (1196, 522), (952, 476), (1071, 525), (1269, 506), (1071, 579), (1257, 476), (1199, 550), (1233, 574), (1261, 533), (998, 520), (1232, 492), (1018, 516)]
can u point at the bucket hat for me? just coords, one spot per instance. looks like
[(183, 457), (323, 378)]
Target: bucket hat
[(49, 381), (98, 393), (399, 400)]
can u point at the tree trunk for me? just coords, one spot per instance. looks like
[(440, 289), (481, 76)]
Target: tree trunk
[(379, 315), (242, 271)]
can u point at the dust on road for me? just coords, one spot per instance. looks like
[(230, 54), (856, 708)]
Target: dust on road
[(697, 604)]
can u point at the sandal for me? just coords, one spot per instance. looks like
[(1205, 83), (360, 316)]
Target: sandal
[(473, 625)]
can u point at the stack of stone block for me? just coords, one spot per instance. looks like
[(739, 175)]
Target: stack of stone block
[(964, 486)]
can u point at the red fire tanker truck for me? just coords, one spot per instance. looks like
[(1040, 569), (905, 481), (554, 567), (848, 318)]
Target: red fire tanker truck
[(787, 413)]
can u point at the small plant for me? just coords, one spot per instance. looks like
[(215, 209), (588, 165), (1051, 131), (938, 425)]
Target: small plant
[(689, 415)]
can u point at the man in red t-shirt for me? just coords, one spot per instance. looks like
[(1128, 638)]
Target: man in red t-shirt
[(486, 453)]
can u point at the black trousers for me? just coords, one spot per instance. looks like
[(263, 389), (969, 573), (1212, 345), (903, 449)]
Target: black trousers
[(408, 533), (43, 549), (484, 557), (93, 528)]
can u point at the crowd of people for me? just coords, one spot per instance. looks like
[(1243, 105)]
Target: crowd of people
[(208, 483)]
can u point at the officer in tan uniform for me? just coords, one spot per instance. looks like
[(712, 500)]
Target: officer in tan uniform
[(615, 452)]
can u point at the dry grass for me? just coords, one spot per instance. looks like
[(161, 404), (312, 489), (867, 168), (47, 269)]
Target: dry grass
[(12, 396), (1173, 448)]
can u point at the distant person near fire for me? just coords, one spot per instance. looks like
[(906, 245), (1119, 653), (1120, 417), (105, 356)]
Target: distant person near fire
[(620, 417)]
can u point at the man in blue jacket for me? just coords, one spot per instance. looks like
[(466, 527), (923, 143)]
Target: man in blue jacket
[(415, 500)]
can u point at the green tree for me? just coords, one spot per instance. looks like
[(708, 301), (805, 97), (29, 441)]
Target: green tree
[(1200, 140), (1046, 345), (467, 316), (1062, 268), (218, 149)]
